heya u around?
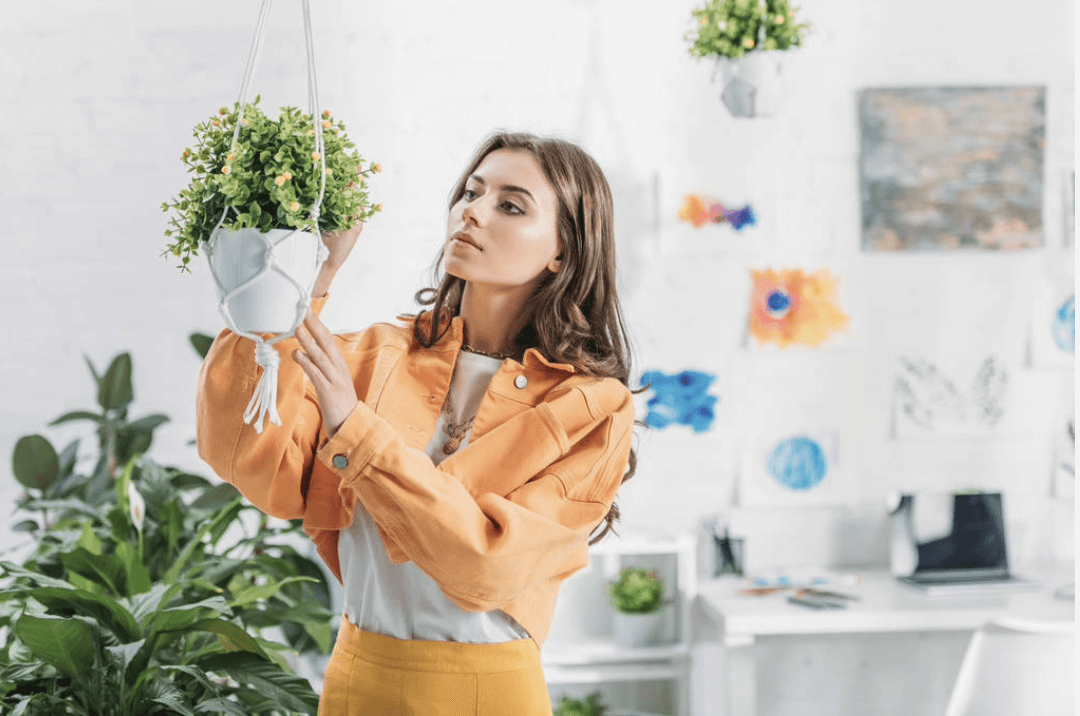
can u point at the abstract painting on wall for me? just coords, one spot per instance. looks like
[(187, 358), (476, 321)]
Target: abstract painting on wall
[(793, 307), (797, 467), (928, 403), (945, 168), (681, 399)]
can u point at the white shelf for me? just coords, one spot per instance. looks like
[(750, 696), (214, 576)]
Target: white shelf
[(606, 651), (604, 674)]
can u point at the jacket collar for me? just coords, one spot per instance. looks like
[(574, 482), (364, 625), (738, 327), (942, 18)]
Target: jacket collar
[(455, 336)]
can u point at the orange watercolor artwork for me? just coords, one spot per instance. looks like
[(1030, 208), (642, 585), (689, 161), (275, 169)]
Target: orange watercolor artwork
[(793, 307)]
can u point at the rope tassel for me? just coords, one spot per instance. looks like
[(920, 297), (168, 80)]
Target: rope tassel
[(264, 400)]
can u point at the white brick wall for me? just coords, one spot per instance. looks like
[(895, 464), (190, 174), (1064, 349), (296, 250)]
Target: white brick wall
[(99, 99)]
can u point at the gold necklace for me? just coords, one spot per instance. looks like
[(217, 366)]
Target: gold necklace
[(456, 431), (470, 349)]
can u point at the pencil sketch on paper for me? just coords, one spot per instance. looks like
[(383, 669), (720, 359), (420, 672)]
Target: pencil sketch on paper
[(927, 400)]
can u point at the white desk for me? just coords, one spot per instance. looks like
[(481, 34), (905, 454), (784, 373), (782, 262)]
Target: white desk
[(884, 605)]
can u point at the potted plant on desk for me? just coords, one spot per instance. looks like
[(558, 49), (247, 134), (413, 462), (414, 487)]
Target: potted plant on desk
[(749, 40), (638, 598)]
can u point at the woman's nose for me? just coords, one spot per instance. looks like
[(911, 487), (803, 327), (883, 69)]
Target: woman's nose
[(475, 211)]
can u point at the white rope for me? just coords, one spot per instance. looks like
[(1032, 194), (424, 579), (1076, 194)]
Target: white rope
[(263, 403)]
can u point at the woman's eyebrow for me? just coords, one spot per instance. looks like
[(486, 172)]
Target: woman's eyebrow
[(505, 187)]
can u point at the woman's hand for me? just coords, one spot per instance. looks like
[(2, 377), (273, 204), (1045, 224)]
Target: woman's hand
[(326, 369), (340, 245)]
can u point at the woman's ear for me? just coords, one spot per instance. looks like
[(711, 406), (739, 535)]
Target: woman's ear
[(554, 265)]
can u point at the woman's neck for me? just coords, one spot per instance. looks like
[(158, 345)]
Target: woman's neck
[(491, 317)]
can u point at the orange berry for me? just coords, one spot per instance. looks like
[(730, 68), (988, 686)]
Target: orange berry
[(326, 113), (226, 169), (287, 175), (280, 180), (294, 206), (376, 168), (326, 124), (315, 156), (378, 207), (329, 172), (222, 111), (231, 156), (216, 123)]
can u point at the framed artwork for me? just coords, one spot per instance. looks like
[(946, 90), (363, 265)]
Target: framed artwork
[(948, 168)]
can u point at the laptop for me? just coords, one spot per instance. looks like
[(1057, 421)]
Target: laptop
[(945, 543)]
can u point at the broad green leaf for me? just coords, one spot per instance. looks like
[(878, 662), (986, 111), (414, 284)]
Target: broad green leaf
[(115, 389), (89, 540), (35, 462), (220, 706), (289, 691), (68, 457), (137, 577), (105, 610), (264, 591), (13, 570), (187, 481), (25, 526), (183, 616), (146, 424), (145, 605), (216, 497), (67, 644), (105, 569), (79, 415), (201, 342), (126, 652), (231, 636)]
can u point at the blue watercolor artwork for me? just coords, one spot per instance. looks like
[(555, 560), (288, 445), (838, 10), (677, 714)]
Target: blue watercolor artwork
[(681, 398), (798, 464), (1065, 325)]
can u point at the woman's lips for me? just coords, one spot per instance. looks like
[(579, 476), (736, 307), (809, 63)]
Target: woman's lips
[(465, 239)]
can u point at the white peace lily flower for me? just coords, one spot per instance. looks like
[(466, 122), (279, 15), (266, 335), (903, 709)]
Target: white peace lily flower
[(138, 506)]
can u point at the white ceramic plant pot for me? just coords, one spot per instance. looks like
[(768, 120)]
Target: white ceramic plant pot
[(637, 630), (270, 304), (752, 85)]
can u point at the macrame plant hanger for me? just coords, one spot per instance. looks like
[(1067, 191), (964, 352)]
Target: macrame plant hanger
[(263, 403)]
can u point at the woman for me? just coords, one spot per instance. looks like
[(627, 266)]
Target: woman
[(452, 467)]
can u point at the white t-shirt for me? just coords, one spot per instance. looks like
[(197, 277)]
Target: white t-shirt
[(401, 600)]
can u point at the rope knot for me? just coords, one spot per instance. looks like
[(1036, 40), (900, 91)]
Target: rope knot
[(266, 356)]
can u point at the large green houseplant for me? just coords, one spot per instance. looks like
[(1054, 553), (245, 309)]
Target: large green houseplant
[(749, 41), (148, 589)]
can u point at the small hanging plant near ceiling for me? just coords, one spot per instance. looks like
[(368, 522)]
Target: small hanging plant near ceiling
[(749, 41)]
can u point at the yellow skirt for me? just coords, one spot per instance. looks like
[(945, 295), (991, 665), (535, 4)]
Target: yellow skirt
[(377, 675)]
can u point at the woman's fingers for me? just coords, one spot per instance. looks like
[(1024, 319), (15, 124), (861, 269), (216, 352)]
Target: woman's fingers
[(325, 340)]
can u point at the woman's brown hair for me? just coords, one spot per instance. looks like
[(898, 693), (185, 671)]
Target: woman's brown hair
[(575, 317)]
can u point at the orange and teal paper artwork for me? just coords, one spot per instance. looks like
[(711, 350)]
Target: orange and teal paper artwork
[(793, 307)]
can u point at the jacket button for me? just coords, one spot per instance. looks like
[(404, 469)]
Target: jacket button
[(520, 382), (340, 462)]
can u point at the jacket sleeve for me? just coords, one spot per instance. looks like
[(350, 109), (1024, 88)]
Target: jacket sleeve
[(484, 551), (272, 469)]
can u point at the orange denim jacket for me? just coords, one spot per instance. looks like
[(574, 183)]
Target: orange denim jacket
[(498, 525)]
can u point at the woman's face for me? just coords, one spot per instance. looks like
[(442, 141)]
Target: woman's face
[(502, 231)]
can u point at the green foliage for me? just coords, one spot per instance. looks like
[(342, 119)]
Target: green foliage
[(731, 28), (588, 706), (637, 591), (270, 178), (148, 588)]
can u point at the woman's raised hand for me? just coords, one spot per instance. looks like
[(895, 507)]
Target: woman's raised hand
[(326, 369), (340, 244)]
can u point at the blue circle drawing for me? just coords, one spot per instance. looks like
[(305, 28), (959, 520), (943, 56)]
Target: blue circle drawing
[(1065, 326), (777, 303), (798, 464)]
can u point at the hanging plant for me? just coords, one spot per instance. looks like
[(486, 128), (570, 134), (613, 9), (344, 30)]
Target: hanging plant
[(269, 178), (732, 28)]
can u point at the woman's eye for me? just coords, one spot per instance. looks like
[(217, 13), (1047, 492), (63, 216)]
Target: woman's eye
[(513, 208), (468, 194)]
